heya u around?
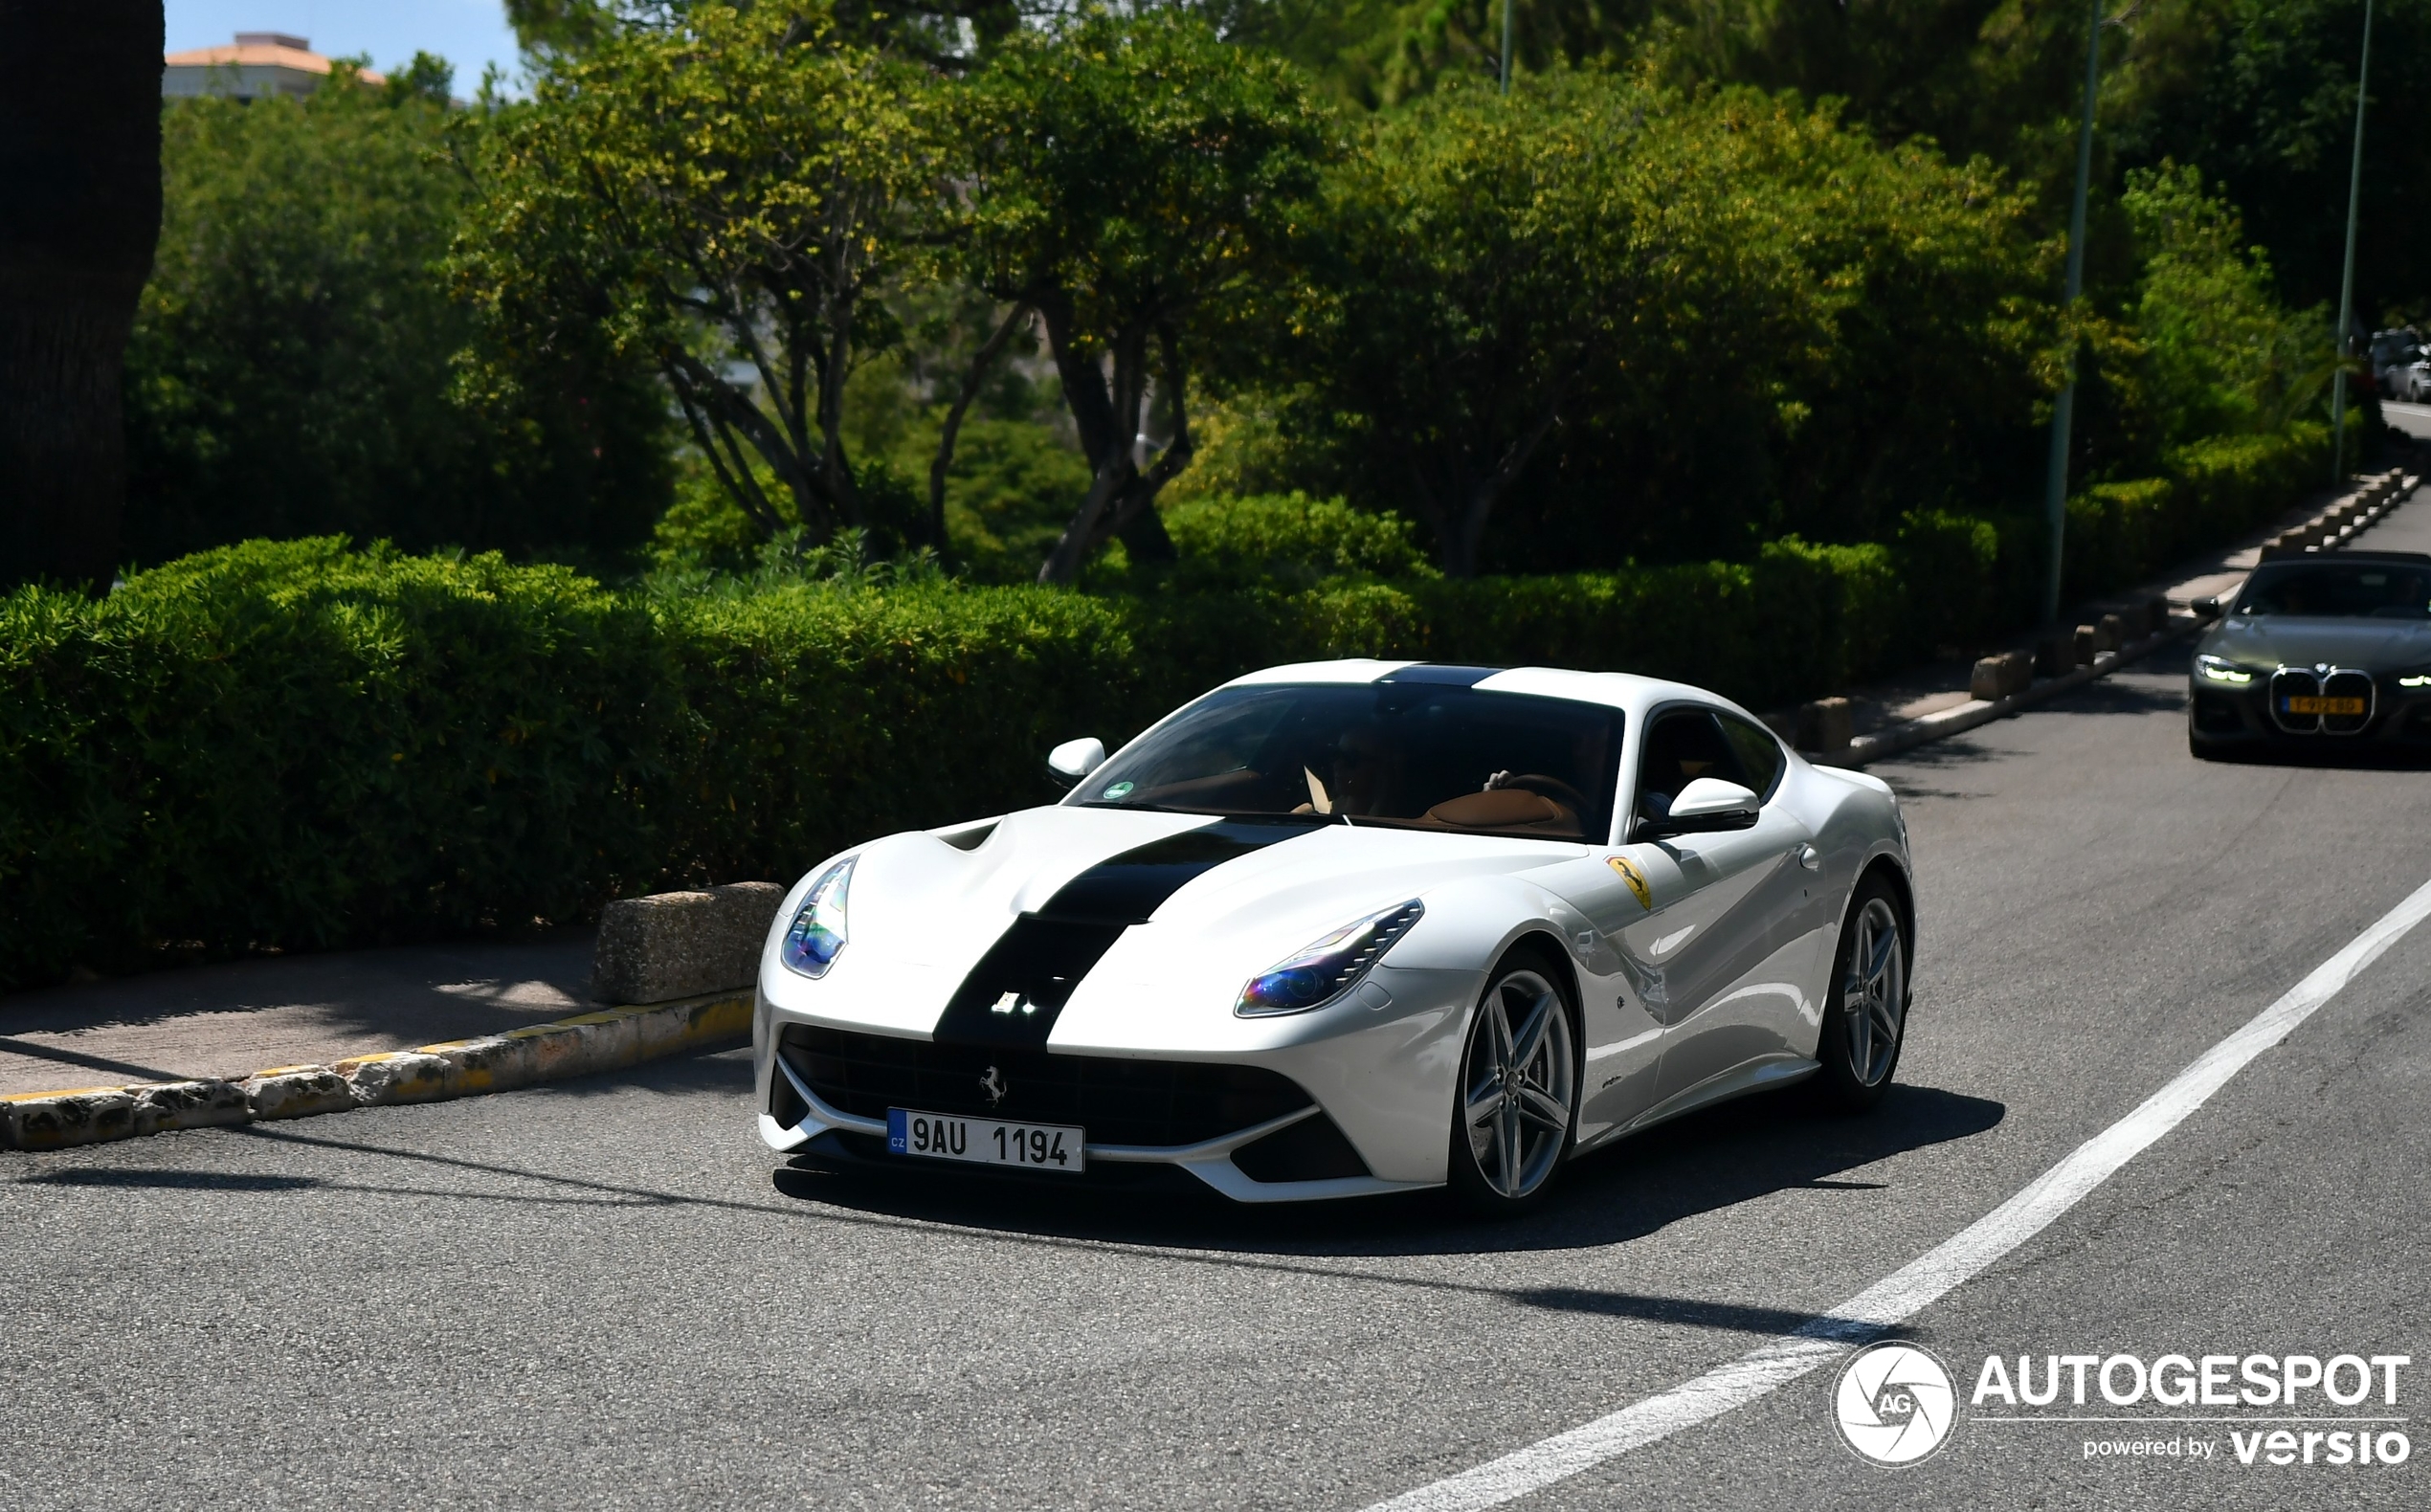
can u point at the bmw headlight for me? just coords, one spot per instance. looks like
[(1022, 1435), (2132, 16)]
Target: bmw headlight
[(1330, 968), (2220, 669), (2415, 681), (815, 937)]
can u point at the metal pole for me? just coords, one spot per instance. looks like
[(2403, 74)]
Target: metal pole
[(2347, 279), (1506, 45), (2055, 498)]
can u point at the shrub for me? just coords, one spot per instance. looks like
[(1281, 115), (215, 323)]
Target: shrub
[(1291, 540)]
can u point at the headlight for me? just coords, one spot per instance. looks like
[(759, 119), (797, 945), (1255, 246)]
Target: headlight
[(1330, 968), (2420, 679), (815, 937), (2220, 669)]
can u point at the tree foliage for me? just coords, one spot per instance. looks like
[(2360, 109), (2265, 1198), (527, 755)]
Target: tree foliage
[(1137, 183), (1613, 297), (722, 197), (294, 365)]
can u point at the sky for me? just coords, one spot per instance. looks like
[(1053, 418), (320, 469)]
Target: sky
[(468, 33)]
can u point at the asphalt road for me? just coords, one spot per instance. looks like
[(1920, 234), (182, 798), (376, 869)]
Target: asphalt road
[(608, 1294)]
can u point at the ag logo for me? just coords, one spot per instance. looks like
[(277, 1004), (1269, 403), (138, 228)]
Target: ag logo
[(1636, 878), (1895, 1404)]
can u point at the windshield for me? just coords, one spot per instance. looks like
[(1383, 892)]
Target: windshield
[(1410, 755), (2339, 590)]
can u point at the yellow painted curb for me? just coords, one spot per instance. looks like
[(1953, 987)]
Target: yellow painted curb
[(581, 1045)]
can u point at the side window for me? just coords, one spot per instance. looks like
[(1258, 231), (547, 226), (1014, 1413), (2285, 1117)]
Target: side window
[(1760, 753), (1682, 746)]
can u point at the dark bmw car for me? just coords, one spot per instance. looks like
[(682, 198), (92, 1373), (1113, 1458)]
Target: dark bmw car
[(2317, 651)]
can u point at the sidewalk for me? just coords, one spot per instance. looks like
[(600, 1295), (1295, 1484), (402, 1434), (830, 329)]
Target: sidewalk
[(231, 1019)]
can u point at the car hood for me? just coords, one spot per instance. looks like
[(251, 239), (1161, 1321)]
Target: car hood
[(2368, 645), (1151, 915)]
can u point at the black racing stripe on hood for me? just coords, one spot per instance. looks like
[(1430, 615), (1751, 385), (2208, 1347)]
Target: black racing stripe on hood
[(1127, 888), (1019, 988)]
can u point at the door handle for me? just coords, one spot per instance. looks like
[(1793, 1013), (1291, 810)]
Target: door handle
[(1809, 857)]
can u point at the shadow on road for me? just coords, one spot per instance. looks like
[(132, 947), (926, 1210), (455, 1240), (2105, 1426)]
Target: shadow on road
[(1708, 1161)]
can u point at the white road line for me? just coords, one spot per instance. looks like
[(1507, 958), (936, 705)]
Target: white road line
[(1918, 1284)]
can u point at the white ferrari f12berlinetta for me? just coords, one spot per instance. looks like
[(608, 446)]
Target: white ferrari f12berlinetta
[(1349, 927)]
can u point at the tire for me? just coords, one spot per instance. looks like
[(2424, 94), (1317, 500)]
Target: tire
[(1515, 1107), (1866, 1018)]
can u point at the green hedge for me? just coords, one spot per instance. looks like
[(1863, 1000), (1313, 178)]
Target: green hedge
[(2212, 490), (299, 745)]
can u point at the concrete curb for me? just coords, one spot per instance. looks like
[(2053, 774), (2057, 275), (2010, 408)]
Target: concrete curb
[(1912, 733), (459, 1068)]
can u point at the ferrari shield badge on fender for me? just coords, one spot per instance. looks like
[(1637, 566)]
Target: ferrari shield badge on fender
[(1636, 878)]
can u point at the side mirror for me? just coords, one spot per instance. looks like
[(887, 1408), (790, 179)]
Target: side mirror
[(1074, 760), (2206, 608), (1703, 806)]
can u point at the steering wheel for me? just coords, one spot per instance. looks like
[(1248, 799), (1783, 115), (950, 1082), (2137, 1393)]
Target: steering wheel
[(1554, 787)]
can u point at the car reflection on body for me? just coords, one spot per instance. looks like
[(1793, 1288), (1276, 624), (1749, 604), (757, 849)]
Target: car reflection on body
[(1349, 927), (2325, 650)]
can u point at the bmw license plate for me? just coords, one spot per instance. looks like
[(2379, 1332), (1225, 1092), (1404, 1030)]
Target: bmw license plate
[(2295, 703), (984, 1142)]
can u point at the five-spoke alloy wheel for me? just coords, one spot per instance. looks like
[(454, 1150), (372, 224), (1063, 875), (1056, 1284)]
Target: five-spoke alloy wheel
[(1866, 1021), (1518, 1094)]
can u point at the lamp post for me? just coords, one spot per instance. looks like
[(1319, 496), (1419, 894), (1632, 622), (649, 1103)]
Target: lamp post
[(2054, 496), (1506, 45), (2346, 279)]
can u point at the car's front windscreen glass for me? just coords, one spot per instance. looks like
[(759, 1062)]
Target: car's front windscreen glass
[(1408, 755), (2339, 590)]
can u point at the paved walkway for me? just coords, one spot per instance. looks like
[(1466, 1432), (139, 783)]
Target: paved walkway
[(240, 1016)]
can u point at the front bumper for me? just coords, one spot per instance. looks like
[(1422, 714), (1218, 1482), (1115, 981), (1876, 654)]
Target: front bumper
[(2228, 717), (1353, 1102)]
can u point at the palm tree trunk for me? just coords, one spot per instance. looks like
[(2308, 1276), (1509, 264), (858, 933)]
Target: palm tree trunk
[(80, 154)]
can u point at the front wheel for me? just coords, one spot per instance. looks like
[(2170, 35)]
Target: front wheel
[(1517, 1094), (1866, 1020)]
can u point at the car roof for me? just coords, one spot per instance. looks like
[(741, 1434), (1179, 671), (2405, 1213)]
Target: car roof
[(1618, 690)]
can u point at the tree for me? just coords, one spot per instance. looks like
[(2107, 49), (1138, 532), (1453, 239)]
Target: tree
[(1137, 183), (725, 194), (294, 369), (79, 152)]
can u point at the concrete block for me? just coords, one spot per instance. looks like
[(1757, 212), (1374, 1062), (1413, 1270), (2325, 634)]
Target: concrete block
[(295, 1092), (161, 1105), (75, 1117), (2085, 647), (2110, 633), (671, 945), (1826, 725), (1984, 682), (2156, 614), (2017, 672)]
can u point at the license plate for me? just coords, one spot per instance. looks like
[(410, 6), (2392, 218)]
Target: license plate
[(984, 1142), (2294, 704)]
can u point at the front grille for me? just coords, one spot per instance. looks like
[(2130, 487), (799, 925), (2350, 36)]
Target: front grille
[(2344, 683), (1118, 1102), (2293, 682), (2336, 682)]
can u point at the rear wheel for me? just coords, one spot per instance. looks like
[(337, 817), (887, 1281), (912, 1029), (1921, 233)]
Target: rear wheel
[(1865, 1023), (1517, 1101)]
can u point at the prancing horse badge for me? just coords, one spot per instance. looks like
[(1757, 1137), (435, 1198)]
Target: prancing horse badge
[(1636, 878)]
